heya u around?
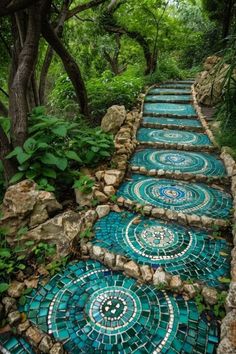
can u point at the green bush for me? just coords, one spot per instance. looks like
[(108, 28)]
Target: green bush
[(2, 182), (110, 90), (56, 149)]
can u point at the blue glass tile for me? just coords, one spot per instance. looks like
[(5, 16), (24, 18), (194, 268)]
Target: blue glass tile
[(189, 198), (190, 253), (183, 161), (119, 316), (168, 98), (170, 109), (10, 344), (179, 122), (169, 91), (172, 137)]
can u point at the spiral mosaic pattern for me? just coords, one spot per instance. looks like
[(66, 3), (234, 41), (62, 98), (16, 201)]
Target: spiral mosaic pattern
[(170, 109), (186, 252), (91, 309), (172, 137), (14, 345), (184, 161), (190, 198), (170, 91), (168, 98), (178, 122)]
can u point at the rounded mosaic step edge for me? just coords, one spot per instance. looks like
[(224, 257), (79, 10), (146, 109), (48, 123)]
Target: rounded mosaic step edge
[(176, 93), (172, 126), (185, 147), (145, 274), (171, 215), (186, 176), (168, 115), (169, 101)]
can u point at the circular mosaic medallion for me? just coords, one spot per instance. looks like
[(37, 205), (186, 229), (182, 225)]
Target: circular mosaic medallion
[(191, 198), (187, 252), (173, 160), (92, 310), (172, 137)]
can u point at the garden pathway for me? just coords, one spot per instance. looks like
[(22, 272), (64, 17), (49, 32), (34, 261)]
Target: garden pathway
[(93, 309)]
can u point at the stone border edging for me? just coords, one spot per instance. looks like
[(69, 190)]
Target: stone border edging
[(177, 146), (172, 126), (227, 344)]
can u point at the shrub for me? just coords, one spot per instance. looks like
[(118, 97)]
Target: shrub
[(109, 90), (56, 149)]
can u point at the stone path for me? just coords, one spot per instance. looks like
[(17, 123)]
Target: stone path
[(177, 176)]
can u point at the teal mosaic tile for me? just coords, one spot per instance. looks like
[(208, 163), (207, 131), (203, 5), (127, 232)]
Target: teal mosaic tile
[(170, 109), (168, 98), (10, 344), (178, 122), (177, 85), (96, 310), (168, 91), (172, 137), (187, 252), (183, 161), (189, 198)]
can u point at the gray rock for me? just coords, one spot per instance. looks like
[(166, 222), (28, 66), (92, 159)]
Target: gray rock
[(110, 259), (97, 253), (34, 335), (113, 119), (57, 349), (9, 304), (120, 262), (131, 269), (231, 298), (210, 295), (45, 344), (14, 318), (160, 277), (147, 273), (16, 288), (176, 282), (22, 327), (102, 210)]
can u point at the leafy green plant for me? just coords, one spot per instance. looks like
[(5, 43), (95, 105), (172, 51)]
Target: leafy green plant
[(219, 308), (161, 286), (57, 265), (56, 149), (87, 233), (84, 184), (43, 251)]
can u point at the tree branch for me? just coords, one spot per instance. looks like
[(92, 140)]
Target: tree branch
[(84, 7), (8, 7)]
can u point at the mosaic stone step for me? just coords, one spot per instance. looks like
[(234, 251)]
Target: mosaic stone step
[(172, 137), (10, 344), (91, 309), (182, 161), (176, 86), (190, 253), (170, 109), (168, 98), (189, 198), (176, 123), (169, 91)]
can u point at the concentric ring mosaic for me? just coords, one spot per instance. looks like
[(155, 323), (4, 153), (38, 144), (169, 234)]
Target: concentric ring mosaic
[(170, 109), (91, 309), (183, 161), (179, 122), (190, 253), (10, 344), (168, 98), (189, 198), (172, 137)]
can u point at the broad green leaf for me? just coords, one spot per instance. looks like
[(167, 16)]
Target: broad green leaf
[(22, 157), (60, 130), (14, 152), (30, 145), (72, 155), (17, 177), (4, 252), (49, 159), (3, 287), (49, 172)]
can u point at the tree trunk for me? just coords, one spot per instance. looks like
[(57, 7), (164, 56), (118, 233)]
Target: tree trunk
[(49, 52), (70, 65), (5, 148), (18, 106), (227, 18)]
